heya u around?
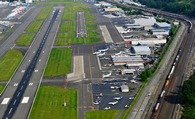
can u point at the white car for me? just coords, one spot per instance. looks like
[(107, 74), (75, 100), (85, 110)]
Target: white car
[(112, 87)]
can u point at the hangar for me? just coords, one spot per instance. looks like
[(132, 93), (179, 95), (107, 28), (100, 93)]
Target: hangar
[(141, 50), (124, 89)]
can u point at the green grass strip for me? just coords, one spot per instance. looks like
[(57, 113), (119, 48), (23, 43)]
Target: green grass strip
[(69, 16), (90, 23), (2, 88), (92, 34), (89, 17), (102, 114), (25, 39), (43, 14), (7, 33), (9, 63), (34, 26), (67, 34), (59, 62), (68, 3), (83, 40), (68, 26), (91, 27), (49, 101), (49, 5)]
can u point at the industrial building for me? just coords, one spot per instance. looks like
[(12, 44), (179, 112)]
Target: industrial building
[(159, 32), (128, 71), (135, 65), (141, 50), (148, 41), (162, 25), (148, 21), (167, 29), (124, 89), (105, 4), (134, 26), (112, 9), (123, 60)]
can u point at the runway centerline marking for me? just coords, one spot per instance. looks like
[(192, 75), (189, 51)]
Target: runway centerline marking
[(10, 110)]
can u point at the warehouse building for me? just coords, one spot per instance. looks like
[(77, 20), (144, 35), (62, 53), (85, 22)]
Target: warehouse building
[(135, 65), (141, 50), (162, 25), (148, 41), (127, 59), (105, 4), (111, 9), (124, 89), (159, 32), (148, 21)]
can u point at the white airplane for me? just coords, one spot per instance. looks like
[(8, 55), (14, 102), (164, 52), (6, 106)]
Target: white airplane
[(103, 50), (102, 54), (118, 98), (107, 108), (131, 98), (107, 75), (95, 53), (113, 103), (97, 102)]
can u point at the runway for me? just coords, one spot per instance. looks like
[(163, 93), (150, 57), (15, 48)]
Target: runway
[(30, 71), (81, 28)]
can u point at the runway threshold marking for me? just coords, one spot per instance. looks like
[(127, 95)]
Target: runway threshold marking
[(5, 101), (25, 100)]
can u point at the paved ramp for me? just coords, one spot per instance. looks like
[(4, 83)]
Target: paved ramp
[(78, 69), (106, 34)]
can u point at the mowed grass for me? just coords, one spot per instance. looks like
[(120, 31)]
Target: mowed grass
[(92, 34), (102, 114), (69, 16), (43, 14), (49, 101), (59, 62), (67, 34), (34, 26), (9, 63), (83, 40), (68, 26), (2, 88), (49, 5), (90, 23), (89, 17), (25, 39), (91, 27)]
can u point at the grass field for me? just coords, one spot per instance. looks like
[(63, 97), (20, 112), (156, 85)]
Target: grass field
[(68, 3), (59, 62), (92, 34), (25, 39), (102, 114), (69, 16), (1, 88), (89, 17), (43, 14), (49, 101), (91, 27), (67, 34), (34, 26), (9, 63), (7, 33), (90, 23), (67, 41), (68, 26), (49, 6)]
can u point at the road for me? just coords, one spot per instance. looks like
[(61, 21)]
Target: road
[(81, 29), (30, 70)]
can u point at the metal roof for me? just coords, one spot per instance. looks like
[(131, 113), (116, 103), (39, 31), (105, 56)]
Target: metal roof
[(163, 24), (141, 48), (145, 22), (124, 88)]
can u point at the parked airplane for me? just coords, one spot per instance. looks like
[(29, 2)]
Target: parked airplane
[(107, 108), (104, 50), (102, 54), (113, 103), (107, 75), (97, 102), (95, 53), (118, 98)]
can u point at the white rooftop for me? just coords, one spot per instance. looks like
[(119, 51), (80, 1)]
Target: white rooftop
[(141, 48), (163, 24), (145, 21)]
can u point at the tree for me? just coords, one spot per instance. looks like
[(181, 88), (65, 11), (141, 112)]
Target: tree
[(148, 73), (143, 76), (152, 61)]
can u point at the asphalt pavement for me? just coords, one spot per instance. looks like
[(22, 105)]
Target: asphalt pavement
[(81, 28)]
